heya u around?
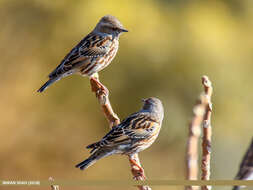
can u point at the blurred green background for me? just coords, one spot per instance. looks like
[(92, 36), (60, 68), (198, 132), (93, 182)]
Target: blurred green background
[(171, 44)]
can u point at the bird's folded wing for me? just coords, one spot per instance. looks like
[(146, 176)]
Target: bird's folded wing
[(133, 128), (91, 46)]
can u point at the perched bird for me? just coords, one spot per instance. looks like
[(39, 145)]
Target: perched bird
[(92, 54), (246, 167), (134, 134)]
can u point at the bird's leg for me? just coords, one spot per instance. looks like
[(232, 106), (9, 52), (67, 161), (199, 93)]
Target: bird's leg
[(139, 172), (97, 86)]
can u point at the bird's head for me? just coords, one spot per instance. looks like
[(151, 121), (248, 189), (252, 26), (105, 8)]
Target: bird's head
[(110, 25), (154, 106)]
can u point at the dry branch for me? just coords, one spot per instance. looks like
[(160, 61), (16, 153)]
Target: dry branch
[(53, 187), (199, 115), (136, 172), (192, 144), (113, 120), (104, 101), (207, 133)]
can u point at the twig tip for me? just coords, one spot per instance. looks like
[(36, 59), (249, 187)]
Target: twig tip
[(205, 81)]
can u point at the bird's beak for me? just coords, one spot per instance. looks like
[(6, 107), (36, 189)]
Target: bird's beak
[(143, 100), (123, 30)]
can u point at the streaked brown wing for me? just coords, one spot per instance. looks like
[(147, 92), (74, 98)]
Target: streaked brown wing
[(145, 131), (136, 127), (91, 46), (115, 136), (95, 46)]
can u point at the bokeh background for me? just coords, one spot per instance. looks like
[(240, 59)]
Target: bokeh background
[(171, 44)]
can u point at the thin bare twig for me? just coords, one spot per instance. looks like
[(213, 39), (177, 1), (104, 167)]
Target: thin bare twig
[(136, 172), (207, 133), (113, 120), (199, 115), (104, 101)]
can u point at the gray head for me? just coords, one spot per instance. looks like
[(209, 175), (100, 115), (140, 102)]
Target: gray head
[(154, 106), (110, 25)]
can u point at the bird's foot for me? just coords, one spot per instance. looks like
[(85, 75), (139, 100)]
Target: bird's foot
[(139, 176), (98, 87), (139, 173)]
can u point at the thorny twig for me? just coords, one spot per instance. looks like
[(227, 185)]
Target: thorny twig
[(113, 120)]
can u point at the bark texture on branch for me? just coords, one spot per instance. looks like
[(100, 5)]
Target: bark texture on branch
[(200, 115), (192, 144), (112, 118), (104, 101), (138, 175), (207, 133)]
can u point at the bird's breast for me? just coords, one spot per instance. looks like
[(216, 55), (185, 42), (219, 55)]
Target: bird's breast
[(112, 52), (97, 64)]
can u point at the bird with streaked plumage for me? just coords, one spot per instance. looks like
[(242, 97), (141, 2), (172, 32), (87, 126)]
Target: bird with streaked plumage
[(134, 134), (92, 54)]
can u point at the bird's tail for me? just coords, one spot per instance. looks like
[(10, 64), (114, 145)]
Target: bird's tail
[(47, 84), (98, 154)]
